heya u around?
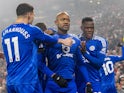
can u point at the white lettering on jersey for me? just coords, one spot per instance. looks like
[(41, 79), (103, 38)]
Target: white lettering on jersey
[(108, 67), (17, 29), (65, 50), (15, 43)]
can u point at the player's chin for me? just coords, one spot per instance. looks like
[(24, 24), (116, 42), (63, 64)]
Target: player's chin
[(89, 36), (65, 29)]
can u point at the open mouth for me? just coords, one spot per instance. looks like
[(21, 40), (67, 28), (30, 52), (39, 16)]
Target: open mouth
[(66, 26)]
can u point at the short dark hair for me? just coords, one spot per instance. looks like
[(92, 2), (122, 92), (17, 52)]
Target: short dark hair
[(86, 19), (42, 26), (23, 8)]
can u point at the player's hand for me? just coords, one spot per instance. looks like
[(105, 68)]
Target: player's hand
[(66, 42), (89, 88), (83, 47), (41, 50), (60, 81)]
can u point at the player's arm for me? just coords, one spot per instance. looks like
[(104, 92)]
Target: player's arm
[(118, 58), (45, 38), (95, 61), (58, 79), (122, 54), (122, 57), (81, 65), (84, 72), (83, 69), (43, 68)]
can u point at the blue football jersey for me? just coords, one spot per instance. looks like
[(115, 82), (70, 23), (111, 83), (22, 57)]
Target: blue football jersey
[(101, 39), (93, 64), (18, 46), (92, 69), (62, 59), (93, 50), (107, 70)]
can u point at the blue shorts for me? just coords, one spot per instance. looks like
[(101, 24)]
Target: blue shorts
[(25, 88), (52, 87)]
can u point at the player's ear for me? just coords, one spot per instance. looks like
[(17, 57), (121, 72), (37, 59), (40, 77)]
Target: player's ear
[(56, 22), (81, 27), (28, 16)]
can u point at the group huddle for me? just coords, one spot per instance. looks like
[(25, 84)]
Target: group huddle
[(75, 64)]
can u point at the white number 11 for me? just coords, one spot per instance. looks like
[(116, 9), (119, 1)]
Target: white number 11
[(16, 48)]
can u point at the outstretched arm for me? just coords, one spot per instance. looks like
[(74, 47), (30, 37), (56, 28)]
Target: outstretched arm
[(45, 38), (117, 58)]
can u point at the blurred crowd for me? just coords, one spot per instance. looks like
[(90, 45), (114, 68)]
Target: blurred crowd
[(2, 76), (111, 25)]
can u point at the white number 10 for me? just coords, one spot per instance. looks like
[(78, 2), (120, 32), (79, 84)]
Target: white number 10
[(108, 67), (16, 48)]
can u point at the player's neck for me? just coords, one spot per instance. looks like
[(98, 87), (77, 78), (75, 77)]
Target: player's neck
[(22, 20), (62, 32)]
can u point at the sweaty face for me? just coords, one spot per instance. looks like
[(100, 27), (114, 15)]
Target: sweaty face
[(88, 29), (63, 22)]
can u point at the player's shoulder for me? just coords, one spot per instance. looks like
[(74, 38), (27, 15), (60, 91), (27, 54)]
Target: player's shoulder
[(27, 26), (102, 40), (34, 27), (99, 38), (110, 58), (95, 43), (75, 37)]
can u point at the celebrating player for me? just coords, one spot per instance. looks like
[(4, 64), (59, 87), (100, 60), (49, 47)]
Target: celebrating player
[(63, 59), (18, 42)]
